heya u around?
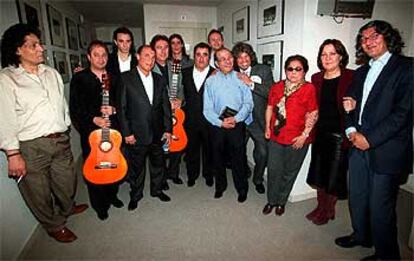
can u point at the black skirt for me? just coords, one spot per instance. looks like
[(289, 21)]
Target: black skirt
[(329, 164)]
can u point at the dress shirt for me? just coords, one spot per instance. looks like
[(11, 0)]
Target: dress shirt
[(199, 77), (31, 105), (124, 65), (148, 84), (375, 69), (223, 90), (248, 71)]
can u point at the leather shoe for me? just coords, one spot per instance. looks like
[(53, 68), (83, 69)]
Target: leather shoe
[(163, 197), (177, 181), (116, 202), (267, 209), (279, 210), (133, 204), (102, 215), (77, 209), (350, 241), (165, 186), (209, 182), (242, 197), (260, 188), (63, 235), (190, 182), (370, 258), (218, 194)]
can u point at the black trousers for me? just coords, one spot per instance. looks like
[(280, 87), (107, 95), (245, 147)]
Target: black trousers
[(172, 162), (198, 150), (137, 155), (229, 141)]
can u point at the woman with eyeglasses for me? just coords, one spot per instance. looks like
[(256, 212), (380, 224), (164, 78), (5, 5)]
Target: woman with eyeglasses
[(291, 113), (329, 164)]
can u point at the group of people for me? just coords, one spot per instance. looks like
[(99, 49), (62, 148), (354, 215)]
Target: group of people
[(358, 122)]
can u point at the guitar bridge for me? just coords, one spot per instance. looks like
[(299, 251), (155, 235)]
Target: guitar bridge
[(106, 165)]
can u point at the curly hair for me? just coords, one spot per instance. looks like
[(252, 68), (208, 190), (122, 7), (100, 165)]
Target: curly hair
[(339, 48), (180, 38), (241, 47), (13, 38), (391, 36), (122, 30)]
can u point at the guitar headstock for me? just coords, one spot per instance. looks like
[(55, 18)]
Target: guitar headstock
[(176, 66), (106, 82)]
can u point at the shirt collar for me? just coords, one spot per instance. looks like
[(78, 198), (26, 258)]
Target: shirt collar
[(21, 70), (203, 71), (142, 74), (382, 60), (247, 71)]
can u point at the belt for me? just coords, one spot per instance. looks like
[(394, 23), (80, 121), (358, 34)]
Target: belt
[(55, 135)]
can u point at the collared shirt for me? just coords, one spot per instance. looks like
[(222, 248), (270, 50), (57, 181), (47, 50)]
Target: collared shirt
[(148, 84), (31, 105), (223, 90), (248, 71), (124, 65), (199, 77)]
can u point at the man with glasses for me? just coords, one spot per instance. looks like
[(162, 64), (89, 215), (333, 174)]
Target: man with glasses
[(379, 125), (34, 131), (228, 106)]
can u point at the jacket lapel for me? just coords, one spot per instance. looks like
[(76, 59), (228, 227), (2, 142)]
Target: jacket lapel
[(141, 86)]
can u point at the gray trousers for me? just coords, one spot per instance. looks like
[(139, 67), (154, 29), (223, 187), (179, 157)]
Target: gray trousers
[(283, 166), (50, 184)]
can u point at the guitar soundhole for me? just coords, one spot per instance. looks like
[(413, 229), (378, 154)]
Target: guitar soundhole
[(106, 146)]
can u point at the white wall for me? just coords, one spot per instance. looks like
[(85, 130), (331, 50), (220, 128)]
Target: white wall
[(104, 33)]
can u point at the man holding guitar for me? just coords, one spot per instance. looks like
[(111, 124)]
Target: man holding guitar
[(145, 120), (86, 113)]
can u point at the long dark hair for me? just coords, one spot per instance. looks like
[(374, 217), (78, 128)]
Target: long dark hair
[(180, 38), (339, 48), (391, 36), (13, 38), (241, 47)]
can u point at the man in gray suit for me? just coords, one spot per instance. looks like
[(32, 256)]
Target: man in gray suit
[(259, 78)]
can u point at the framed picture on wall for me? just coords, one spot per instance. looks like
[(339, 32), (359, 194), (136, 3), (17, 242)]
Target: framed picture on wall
[(74, 61), (73, 35), (83, 40), (55, 26), (84, 61), (29, 12), (240, 25), (59, 59), (271, 54), (270, 18)]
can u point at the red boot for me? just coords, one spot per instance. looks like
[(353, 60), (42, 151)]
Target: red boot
[(320, 198)]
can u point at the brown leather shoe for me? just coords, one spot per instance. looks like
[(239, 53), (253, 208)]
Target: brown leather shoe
[(77, 209), (267, 209), (63, 235), (279, 210)]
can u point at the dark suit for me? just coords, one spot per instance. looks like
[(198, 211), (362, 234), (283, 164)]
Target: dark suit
[(113, 64), (374, 173), (256, 129), (147, 123), (196, 127)]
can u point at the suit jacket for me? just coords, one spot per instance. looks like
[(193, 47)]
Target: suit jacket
[(387, 115), (345, 81), (194, 99), (137, 116), (113, 64)]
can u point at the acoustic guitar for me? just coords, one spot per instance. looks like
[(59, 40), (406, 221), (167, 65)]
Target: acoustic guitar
[(105, 163), (179, 137)]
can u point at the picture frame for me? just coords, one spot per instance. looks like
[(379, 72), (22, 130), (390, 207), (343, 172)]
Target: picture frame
[(74, 61), (61, 65), (241, 25), (83, 39), (56, 29), (29, 11), (270, 18), (72, 34), (84, 60), (271, 54)]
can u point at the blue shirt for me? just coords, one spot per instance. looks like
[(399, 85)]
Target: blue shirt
[(223, 90)]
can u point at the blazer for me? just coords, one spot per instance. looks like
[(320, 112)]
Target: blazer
[(345, 81), (113, 64), (194, 99), (136, 115), (387, 116)]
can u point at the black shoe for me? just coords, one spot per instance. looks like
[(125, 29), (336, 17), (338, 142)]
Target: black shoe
[(177, 181), (242, 197), (102, 215), (260, 188), (116, 202), (350, 241), (209, 182), (133, 204), (165, 186), (190, 182), (163, 197), (370, 258), (218, 194)]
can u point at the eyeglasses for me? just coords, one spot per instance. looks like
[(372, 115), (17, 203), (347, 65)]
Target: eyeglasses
[(372, 37), (291, 69)]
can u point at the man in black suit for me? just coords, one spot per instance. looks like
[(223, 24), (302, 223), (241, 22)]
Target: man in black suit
[(195, 124), (379, 125), (259, 78), (145, 120), (122, 58)]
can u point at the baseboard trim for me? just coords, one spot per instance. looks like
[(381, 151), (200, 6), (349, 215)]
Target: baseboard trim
[(301, 197)]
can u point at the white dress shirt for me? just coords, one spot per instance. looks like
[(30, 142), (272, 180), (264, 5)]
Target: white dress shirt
[(148, 84), (124, 65), (199, 77)]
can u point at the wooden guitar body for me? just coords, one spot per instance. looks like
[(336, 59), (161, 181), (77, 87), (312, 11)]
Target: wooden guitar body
[(179, 137)]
